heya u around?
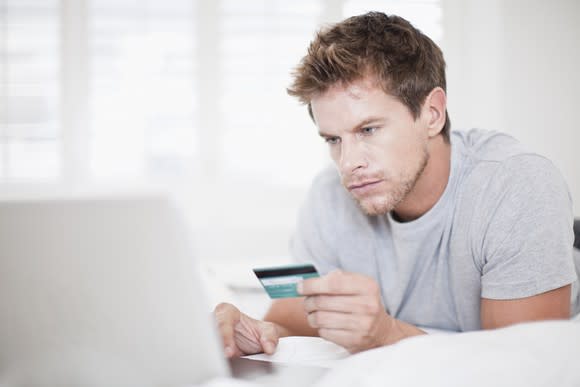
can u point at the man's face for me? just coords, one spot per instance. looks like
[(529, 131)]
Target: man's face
[(378, 147)]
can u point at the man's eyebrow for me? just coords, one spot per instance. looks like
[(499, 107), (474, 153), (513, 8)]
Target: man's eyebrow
[(366, 122), (361, 124)]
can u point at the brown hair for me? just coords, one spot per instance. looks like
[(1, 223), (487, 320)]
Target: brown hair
[(406, 63)]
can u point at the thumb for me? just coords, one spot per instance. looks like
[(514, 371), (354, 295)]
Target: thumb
[(269, 337), (227, 316)]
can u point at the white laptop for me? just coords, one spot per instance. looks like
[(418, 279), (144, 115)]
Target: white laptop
[(103, 290)]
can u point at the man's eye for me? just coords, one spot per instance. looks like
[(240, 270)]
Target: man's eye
[(369, 130), (332, 140)]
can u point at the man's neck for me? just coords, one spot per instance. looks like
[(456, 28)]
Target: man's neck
[(431, 184)]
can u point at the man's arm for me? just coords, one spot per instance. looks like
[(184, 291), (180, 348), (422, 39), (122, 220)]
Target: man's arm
[(554, 304), (522, 237), (290, 317), (346, 308)]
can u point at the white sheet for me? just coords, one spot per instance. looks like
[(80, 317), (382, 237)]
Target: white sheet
[(532, 354), (310, 351)]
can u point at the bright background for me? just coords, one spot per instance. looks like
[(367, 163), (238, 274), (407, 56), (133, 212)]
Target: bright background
[(190, 95)]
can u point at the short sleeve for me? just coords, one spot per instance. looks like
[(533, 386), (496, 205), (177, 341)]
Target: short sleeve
[(314, 239), (527, 235)]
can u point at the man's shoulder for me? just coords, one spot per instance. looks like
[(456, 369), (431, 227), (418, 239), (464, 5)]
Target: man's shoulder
[(491, 156), (480, 145), (522, 179), (503, 181)]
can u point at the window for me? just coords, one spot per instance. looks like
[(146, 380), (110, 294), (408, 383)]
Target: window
[(29, 90), (262, 41), (143, 82), (94, 90)]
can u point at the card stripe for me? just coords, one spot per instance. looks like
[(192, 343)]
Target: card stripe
[(284, 271)]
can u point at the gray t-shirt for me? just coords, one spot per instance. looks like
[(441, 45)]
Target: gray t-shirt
[(501, 230)]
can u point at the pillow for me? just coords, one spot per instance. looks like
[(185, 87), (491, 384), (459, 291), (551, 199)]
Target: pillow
[(530, 354)]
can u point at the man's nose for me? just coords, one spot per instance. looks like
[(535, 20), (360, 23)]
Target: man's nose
[(352, 157)]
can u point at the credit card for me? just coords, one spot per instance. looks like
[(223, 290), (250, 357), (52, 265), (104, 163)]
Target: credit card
[(280, 282)]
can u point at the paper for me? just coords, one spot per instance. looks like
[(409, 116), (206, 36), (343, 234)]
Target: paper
[(227, 382), (309, 351)]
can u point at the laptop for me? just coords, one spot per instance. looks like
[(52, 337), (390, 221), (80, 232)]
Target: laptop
[(103, 290)]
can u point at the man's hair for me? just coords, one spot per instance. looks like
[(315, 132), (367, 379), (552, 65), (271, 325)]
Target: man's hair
[(404, 61)]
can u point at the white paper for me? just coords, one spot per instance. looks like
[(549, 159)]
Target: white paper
[(309, 351), (226, 382)]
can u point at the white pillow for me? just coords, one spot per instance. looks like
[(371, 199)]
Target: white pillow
[(530, 354)]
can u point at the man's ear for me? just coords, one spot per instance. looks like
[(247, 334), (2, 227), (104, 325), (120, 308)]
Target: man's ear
[(434, 109), (310, 113)]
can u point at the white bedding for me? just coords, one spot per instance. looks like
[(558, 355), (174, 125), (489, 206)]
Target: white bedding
[(532, 354)]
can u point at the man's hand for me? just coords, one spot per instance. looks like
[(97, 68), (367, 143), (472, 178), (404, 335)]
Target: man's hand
[(243, 335), (346, 309)]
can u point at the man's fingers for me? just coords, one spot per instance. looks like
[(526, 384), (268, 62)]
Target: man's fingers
[(269, 338), (267, 346), (227, 334), (226, 319), (332, 283), (346, 304), (338, 320), (338, 283), (243, 335)]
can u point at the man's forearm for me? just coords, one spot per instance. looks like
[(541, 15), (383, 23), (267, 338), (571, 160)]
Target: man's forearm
[(289, 316), (399, 330)]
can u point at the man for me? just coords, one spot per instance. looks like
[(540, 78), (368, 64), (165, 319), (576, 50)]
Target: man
[(420, 227)]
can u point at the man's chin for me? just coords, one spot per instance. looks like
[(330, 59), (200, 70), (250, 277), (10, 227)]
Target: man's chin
[(376, 206)]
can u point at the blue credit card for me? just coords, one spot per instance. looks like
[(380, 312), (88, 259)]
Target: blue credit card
[(280, 282)]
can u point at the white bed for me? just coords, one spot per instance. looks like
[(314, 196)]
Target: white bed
[(531, 354)]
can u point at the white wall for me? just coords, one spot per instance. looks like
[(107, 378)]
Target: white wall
[(237, 222), (513, 66)]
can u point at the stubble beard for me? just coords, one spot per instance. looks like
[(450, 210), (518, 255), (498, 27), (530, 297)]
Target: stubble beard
[(389, 200)]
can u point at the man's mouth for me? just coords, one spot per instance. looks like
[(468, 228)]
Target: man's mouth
[(363, 187)]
